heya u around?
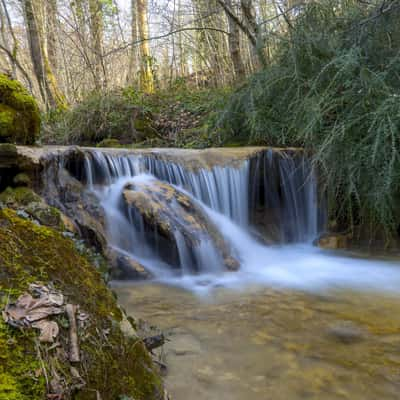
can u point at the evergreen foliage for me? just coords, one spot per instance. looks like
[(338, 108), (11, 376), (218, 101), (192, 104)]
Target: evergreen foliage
[(334, 88)]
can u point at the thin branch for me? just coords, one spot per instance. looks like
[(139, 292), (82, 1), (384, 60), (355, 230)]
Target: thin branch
[(131, 44), (19, 66)]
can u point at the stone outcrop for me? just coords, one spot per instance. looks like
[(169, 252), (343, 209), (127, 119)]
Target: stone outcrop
[(63, 191), (174, 216)]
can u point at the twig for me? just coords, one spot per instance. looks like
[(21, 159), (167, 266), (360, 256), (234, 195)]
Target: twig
[(73, 334), (39, 355)]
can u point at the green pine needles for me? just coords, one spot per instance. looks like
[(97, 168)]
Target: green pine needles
[(334, 88)]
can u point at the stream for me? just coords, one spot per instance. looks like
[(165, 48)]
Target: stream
[(265, 343), (293, 322)]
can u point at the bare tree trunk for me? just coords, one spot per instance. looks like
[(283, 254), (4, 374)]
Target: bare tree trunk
[(49, 90), (249, 14), (147, 79), (96, 30), (12, 52), (5, 22), (78, 7), (249, 26), (234, 46), (134, 56), (51, 32), (182, 53)]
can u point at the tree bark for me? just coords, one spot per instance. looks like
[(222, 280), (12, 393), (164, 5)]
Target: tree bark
[(234, 46), (249, 26), (11, 51), (96, 31), (147, 79), (249, 14), (134, 56), (49, 90), (51, 32)]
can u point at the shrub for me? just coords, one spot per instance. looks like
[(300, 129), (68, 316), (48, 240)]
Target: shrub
[(116, 114), (334, 88)]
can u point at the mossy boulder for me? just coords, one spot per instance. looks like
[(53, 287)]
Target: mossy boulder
[(22, 179), (112, 365), (19, 113), (18, 197)]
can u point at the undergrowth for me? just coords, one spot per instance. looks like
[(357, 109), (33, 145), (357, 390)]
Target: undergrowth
[(178, 117), (334, 88)]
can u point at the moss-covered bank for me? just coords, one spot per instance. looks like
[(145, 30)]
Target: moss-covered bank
[(113, 365)]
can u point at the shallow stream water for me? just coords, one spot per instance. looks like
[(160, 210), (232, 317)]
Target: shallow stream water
[(262, 343)]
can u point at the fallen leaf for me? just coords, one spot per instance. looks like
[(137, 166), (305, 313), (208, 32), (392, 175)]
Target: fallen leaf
[(48, 330)]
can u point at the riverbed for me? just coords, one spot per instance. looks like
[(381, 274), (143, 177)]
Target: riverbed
[(265, 343)]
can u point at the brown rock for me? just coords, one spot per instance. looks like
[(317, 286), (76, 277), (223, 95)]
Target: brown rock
[(174, 216)]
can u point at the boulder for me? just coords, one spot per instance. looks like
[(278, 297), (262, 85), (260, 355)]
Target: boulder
[(125, 267), (66, 193), (333, 241), (174, 217), (19, 113)]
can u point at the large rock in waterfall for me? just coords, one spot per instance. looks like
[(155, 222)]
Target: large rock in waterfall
[(174, 221)]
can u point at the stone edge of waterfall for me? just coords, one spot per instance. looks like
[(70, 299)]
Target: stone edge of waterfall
[(192, 158)]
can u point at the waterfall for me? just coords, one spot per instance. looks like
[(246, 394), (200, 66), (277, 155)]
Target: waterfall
[(283, 186), (274, 187)]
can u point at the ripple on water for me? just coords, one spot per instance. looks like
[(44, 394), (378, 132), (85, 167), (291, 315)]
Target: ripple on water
[(274, 344)]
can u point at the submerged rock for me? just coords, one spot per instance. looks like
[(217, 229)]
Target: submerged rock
[(333, 241), (346, 332), (125, 267), (181, 226)]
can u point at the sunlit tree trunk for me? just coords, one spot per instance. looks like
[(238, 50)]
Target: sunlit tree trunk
[(51, 32), (182, 51), (96, 33), (134, 56), (147, 79), (49, 89)]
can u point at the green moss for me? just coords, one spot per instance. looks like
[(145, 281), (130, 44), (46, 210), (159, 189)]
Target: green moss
[(111, 363), (113, 143), (8, 118), (19, 113), (22, 179), (19, 377), (18, 197), (8, 149)]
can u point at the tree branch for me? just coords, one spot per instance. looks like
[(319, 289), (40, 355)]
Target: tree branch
[(238, 21)]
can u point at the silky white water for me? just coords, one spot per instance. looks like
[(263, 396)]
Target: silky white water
[(222, 192)]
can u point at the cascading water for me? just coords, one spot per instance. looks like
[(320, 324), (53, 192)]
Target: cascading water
[(227, 191), (278, 188), (224, 189), (284, 187)]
